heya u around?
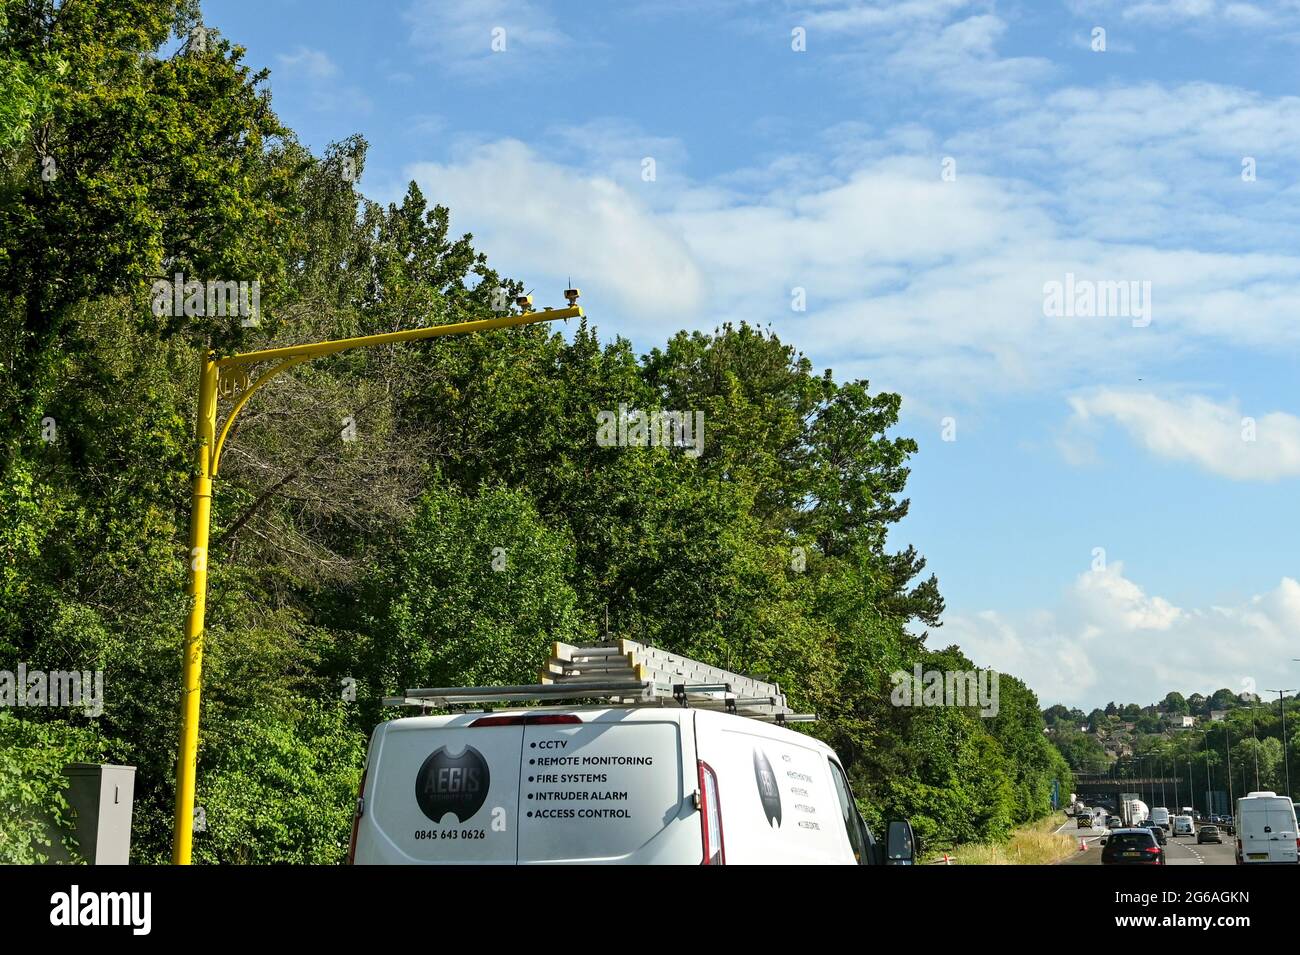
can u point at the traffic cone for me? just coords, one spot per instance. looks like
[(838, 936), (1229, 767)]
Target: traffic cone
[(1083, 846), (946, 859)]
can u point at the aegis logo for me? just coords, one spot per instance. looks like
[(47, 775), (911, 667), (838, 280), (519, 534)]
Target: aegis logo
[(455, 784), (768, 793)]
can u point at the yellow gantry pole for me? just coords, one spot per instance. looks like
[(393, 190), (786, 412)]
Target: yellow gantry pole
[(209, 444), (192, 671)]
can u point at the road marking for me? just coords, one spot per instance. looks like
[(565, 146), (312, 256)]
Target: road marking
[(1197, 855)]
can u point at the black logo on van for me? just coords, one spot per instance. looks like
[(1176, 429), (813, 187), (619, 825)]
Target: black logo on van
[(767, 789), (455, 784)]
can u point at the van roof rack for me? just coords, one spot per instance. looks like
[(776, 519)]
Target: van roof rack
[(625, 673)]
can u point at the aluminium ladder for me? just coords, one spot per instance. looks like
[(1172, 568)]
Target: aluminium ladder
[(625, 673)]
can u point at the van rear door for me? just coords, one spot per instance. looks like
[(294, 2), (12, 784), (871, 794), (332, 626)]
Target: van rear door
[(441, 790), (609, 786), (1250, 830), (1282, 838)]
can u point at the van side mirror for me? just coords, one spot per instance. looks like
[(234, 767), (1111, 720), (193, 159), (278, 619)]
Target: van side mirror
[(900, 844)]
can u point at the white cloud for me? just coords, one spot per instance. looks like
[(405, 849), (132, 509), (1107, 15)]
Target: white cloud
[(312, 64), (872, 16), (1110, 600), (1218, 437), (928, 285), (961, 59), (1171, 10), (946, 47), (458, 35), (1191, 13), (327, 91), (1109, 640), (541, 221)]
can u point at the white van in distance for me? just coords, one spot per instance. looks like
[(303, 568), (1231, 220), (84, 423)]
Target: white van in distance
[(1160, 815), (1266, 829), (1184, 826), (667, 772)]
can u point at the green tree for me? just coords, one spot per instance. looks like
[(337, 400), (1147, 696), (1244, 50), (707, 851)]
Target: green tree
[(280, 788), (476, 594), (159, 165)]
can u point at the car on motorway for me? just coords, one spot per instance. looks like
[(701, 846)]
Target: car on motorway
[(1161, 815), (1157, 829), (1183, 826), (1209, 833), (1114, 822), (1137, 846)]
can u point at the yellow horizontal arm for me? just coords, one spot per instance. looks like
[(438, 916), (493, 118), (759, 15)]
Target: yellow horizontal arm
[(434, 331)]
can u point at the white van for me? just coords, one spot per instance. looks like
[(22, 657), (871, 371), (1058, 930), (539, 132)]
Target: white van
[(1266, 829), (608, 784), (1184, 826), (1160, 816)]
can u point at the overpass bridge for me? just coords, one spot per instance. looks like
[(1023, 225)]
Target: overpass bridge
[(1104, 783)]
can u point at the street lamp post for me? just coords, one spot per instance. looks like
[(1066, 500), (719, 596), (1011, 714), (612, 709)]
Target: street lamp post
[(1209, 799), (1286, 761), (1227, 745), (230, 376), (1174, 759), (1254, 735)]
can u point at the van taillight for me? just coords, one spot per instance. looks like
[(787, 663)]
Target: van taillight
[(519, 719), (357, 813), (711, 817)]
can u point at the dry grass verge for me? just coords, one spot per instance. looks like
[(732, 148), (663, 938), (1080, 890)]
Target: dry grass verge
[(1035, 844)]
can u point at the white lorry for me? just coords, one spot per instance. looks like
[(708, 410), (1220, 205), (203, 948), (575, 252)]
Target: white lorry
[(1133, 811), (646, 778), (1266, 829)]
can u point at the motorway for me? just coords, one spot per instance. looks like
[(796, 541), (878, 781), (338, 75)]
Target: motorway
[(1182, 850)]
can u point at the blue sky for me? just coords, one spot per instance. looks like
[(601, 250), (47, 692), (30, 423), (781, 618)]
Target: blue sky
[(1170, 442)]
